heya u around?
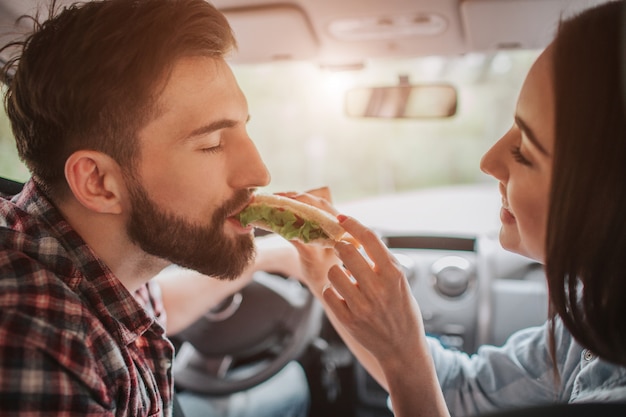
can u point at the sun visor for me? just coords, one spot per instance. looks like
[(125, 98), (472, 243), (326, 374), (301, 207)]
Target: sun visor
[(498, 24), (271, 33)]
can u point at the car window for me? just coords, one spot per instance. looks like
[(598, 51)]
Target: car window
[(10, 165), (300, 127)]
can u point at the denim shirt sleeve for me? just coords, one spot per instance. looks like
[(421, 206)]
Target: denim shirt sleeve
[(519, 373)]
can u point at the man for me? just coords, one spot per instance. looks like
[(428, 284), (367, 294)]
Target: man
[(134, 129)]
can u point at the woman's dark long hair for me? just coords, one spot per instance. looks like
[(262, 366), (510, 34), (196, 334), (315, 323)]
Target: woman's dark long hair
[(586, 236)]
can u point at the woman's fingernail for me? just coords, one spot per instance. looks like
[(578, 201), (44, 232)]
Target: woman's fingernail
[(341, 218)]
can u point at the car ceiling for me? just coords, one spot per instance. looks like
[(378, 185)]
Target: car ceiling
[(346, 33)]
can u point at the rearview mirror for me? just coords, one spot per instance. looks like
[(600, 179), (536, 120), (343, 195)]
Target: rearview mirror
[(425, 101)]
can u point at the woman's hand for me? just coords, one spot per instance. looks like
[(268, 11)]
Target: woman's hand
[(372, 300), (371, 296)]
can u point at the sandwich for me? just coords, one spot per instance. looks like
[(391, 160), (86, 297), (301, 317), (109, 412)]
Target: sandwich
[(292, 219)]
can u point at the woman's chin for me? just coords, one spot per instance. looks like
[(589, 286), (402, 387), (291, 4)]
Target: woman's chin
[(509, 240)]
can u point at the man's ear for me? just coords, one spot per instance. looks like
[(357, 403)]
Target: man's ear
[(95, 180)]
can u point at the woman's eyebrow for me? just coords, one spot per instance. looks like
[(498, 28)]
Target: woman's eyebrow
[(530, 135)]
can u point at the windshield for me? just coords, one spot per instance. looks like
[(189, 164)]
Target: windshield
[(300, 127), (306, 140)]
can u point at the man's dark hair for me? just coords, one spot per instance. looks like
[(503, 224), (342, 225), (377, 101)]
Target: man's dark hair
[(89, 76)]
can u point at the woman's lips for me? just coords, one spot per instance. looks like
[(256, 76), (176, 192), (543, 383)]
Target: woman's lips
[(506, 217)]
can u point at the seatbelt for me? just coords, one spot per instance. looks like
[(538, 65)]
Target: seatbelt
[(177, 410), (10, 187)]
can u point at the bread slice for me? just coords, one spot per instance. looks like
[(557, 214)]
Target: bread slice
[(292, 219)]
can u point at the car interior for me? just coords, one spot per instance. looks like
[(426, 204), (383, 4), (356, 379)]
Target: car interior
[(396, 75)]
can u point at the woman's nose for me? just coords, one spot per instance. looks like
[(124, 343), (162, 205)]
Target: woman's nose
[(493, 161)]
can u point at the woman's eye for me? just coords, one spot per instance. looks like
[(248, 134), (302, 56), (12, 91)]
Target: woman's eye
[(518, 156)]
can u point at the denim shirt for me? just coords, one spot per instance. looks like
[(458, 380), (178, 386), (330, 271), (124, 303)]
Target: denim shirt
[(521, 373)]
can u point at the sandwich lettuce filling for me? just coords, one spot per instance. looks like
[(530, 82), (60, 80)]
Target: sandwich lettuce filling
[(283, 222)]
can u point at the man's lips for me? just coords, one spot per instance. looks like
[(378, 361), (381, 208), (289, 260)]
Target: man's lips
[(234, 221), (233, 218), (235, 213)]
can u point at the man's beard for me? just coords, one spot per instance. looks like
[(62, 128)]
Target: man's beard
[(205, 249)]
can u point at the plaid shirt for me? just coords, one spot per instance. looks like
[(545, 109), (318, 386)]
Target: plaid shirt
[(73, 340)]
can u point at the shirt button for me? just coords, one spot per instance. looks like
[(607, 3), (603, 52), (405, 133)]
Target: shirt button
[(587, 355)]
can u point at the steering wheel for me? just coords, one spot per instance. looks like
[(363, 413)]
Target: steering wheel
[(248, 338)]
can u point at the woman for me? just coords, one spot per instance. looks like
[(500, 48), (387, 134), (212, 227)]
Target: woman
[(561, 170)]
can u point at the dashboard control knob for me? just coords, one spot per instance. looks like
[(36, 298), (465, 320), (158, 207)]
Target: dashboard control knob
[(452, 275)]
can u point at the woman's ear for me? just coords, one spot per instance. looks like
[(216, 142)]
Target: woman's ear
[(96, 181)]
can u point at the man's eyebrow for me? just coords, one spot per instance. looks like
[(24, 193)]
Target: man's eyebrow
[(212, 127), (531, 135)]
